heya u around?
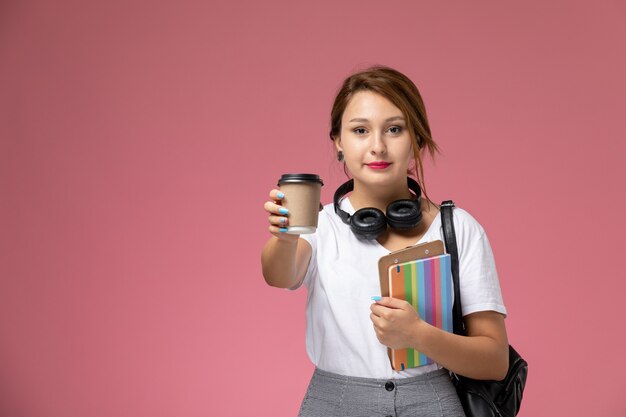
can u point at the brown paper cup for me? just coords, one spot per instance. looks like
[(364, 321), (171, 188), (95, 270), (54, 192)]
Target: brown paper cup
[(302, 199)]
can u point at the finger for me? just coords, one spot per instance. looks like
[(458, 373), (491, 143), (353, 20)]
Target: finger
[(377, 330), (375, 320), (379, 323), (277, 230), (280, 221), (274, 208), (379, 311), (281, 234), (392, 302), (276, 195)]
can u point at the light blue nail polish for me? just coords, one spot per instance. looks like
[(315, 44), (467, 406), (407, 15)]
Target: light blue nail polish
[(280, 194), (283, 210), (283, 229), (283, 220), (376, 298)]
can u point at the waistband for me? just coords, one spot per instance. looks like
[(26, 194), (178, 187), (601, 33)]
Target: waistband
[(376, 382)]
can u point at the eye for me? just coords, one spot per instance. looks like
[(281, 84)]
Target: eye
[(359, 130), (395, 130)]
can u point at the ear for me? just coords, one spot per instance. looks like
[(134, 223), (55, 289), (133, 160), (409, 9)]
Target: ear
[(337, 141)]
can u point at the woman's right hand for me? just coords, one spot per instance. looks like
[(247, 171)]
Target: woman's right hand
[(278, 217), (284, 258)]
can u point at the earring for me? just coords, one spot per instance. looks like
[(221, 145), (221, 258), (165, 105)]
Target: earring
[(340, 156)]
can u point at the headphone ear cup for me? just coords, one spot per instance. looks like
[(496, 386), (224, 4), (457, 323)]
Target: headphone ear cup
[(368, 223), (404, 214)]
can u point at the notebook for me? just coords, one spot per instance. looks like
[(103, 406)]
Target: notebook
[(426, 283)]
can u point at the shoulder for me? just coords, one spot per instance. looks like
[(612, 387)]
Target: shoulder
[(466, 223)]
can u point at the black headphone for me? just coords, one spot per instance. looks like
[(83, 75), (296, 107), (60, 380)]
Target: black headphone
[(369, 222)]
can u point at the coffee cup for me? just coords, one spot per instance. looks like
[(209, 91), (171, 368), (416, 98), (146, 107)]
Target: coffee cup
[(302, 199)]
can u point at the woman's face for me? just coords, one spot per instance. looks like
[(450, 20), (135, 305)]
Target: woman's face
[(374, 139)]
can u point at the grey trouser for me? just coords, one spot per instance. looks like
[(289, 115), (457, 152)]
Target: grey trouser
[(333, 395)]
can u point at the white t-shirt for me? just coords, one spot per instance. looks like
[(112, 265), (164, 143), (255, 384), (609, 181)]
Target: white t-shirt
[(342, 276)]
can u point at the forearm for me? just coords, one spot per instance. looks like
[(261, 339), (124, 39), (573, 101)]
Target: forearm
[(478, 357), (278, 261)]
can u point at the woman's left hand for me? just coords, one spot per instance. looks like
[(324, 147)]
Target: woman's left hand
[(396, 322)]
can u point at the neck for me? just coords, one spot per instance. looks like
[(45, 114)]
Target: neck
[(368, 195)]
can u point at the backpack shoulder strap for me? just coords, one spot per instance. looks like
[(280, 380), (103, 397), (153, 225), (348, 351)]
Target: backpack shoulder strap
[(449, 237)]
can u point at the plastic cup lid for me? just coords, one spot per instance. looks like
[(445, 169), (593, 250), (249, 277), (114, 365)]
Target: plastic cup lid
[(293, 178)]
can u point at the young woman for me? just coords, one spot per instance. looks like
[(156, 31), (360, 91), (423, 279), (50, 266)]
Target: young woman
[(380, 131)]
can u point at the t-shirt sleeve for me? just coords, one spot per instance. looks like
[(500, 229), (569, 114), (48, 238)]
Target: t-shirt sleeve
[(479, 284), (312, 267)]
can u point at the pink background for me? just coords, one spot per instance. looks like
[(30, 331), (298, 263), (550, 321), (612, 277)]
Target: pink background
[(139, 140)]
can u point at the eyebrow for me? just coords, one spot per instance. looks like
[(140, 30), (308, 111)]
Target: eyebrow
[(360, 119)]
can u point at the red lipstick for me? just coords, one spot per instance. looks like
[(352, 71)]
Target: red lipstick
[(378, 165)]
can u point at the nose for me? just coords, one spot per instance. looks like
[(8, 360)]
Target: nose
[(378, 146)]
